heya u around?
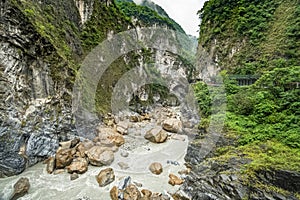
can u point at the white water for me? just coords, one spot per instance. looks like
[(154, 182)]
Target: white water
[(46, 186)]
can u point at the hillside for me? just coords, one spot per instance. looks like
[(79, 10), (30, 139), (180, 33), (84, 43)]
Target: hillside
[(239, 40)]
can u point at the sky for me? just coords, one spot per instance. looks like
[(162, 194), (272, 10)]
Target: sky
[(184, 12)]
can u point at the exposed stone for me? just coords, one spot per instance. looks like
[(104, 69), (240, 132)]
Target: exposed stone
[(173, 125), (78, 165), (105, 177), (134, 118), (59, 171), (64, 157), (123, 165), (174, 180), (114, 193), (65, 145), (122, 127), (146, 193), (84, 146), (156, 168), (132, 193), (117, 139), (21, 188), (74, 142), (99, 156), (74, 176), (156, 135), (50, 165), (124, 154)]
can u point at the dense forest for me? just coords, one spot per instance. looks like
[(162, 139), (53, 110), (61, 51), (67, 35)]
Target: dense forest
[(263, 117)]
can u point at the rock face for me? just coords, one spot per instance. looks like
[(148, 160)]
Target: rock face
[(105, 177), (21, 188), (156, 168), (156, 135), (172, 125)]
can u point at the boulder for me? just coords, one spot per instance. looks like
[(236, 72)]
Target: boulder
[(84, 146), (99, 156), (21, 188), (124, 154), (65, 144), (74, 176), (122, 127), (156, 168), (105, 177), (114, 193), (146, 193), (172, 125), (109, 135), (156, 135), (134, 118), (78, 165), (175, 180), (132, 193), (64, 157), (50, 165)]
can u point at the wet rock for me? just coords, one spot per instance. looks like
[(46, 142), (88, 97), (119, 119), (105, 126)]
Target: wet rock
[(146, 193), (172, 125), (124, 154), (99, 156), (178, 137), (64, 157), (105, 177), (58, 171), (132, 193), (21, 188), (156, 168), (114, 193), (123, 165), (175, 180), (74, 176), (122, 127), (50, 165), (78, 165), (156, 135)]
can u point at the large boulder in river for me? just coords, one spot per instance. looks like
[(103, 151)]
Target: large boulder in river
[(21, 188), (64, 157), (78, 165), (111, 135), (172, 125), (105, 177), (175, 180), (122, 127), (83, 147), (156, 135), (156, 168), (99, 156), (132, 193)]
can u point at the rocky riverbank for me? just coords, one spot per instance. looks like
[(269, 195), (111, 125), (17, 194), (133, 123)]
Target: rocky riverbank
[(131, 157)]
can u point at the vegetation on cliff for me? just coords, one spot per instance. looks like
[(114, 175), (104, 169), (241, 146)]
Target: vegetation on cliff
[(264, 117)]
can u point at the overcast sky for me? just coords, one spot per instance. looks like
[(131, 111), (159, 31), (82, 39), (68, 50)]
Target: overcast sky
[(184, 12)]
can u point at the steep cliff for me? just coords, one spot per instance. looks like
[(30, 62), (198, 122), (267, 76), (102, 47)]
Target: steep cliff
[(41, 49), (259, 143)]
